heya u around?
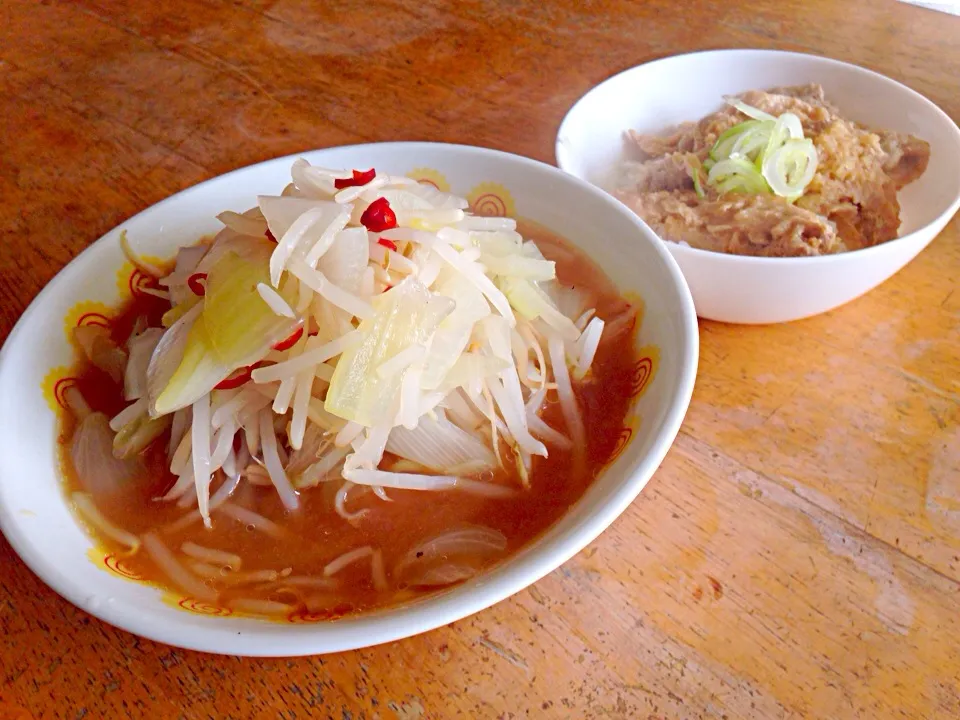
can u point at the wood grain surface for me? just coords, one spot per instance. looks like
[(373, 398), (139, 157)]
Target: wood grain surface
[(798, 553)]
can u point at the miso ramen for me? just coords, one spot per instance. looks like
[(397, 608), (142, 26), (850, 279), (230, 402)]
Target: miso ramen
[(355, 394)]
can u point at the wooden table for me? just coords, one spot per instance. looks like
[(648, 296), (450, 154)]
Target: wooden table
[(798, 553)]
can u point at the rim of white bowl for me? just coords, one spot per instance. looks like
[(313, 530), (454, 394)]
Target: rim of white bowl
[(880, 249), (272, 639)]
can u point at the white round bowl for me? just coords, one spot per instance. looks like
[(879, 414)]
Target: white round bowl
[(657, 95), (38, 523)]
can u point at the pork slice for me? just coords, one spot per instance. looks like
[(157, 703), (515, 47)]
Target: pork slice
[(906, 156), (851, 186), (761, 225), (668, 172)]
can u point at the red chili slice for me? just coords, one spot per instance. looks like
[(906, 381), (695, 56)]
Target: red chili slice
[(360, 177), (389, 244), (196, 283), (290, 341), (235, 379), (238, 377), (379, 216)]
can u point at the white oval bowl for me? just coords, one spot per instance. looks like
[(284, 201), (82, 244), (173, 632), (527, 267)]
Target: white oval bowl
[(660, 94), (35, 517)]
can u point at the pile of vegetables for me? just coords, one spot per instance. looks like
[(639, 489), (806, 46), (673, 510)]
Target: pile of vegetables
[(359, 328)]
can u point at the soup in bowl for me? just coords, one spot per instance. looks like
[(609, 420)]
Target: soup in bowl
[(340, 399)]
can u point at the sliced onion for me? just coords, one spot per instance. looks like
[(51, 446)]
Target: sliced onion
[(587, 344), (168, 353), (468, 546), (439, 445), (442, 575), (101, 350), (314, 181), (139, 350), (91, 451), (351, 193), (243, 224)]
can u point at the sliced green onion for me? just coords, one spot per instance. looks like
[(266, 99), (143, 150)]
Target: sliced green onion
[(693, 168), (786, 128), (748, 110), (737, 174), (752, 142), (762, 155), (724, 145), (790, 168)]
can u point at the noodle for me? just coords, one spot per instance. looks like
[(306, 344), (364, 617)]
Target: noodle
[(84, 503), (211, 555), (179, 575)]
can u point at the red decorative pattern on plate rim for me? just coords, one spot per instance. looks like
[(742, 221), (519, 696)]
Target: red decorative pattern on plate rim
[(204, 608), (623, 439), (61, 386), (116, 565), (642, 372), (93, 318)]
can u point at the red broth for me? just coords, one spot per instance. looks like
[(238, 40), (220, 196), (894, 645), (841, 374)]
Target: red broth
[(314, 534)]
